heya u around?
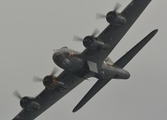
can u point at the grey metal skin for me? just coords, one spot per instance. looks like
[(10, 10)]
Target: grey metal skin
[(92, 62), (74, 62)]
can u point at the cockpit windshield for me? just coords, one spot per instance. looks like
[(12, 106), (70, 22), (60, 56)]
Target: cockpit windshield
[(58, 56)]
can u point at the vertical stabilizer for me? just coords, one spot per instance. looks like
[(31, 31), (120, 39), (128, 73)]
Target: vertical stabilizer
[(124, 60)]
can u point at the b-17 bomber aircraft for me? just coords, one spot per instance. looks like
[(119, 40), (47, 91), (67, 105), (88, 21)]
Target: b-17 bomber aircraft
[(92, 62)]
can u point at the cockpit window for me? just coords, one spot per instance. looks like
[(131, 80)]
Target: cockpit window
[(55, 50), (59, 57), (65, 47)]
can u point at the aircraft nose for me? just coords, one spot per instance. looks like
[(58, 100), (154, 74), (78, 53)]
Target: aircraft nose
[(61, 60), (58, 57)]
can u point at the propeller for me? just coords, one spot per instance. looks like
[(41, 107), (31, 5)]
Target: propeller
[(37, 79), (99, 15), (79, 39), (17, 94), (54, 71), (95, 32), (118, 5)]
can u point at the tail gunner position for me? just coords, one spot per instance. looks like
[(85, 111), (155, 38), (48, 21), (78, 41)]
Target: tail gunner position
[(91, 62)]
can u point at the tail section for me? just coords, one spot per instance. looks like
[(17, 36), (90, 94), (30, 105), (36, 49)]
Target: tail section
[(124, 60)]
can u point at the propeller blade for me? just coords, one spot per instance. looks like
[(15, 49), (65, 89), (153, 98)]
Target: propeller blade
[(76, 38), (17, 94), (100, 16), (53, 71), (95, 32), (37, 79), (118, 5)]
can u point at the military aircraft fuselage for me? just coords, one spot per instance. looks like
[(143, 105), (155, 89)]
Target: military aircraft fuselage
[(93, 61), (73, 61)]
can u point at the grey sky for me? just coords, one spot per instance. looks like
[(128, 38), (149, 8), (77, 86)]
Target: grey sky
[(30, 30)]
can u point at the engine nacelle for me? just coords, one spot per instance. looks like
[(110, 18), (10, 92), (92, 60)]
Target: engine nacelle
[(28, 103), (51, 82), (115, 18), (94, 43)]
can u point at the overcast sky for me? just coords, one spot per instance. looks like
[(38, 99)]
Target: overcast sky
[(31, 29)]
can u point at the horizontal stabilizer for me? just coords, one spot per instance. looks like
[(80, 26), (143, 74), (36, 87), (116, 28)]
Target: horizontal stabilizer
[(124, 60), (98, 86)]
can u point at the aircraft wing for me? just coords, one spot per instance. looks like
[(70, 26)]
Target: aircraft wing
[(50, 96), (112, 34), (45, 99)]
